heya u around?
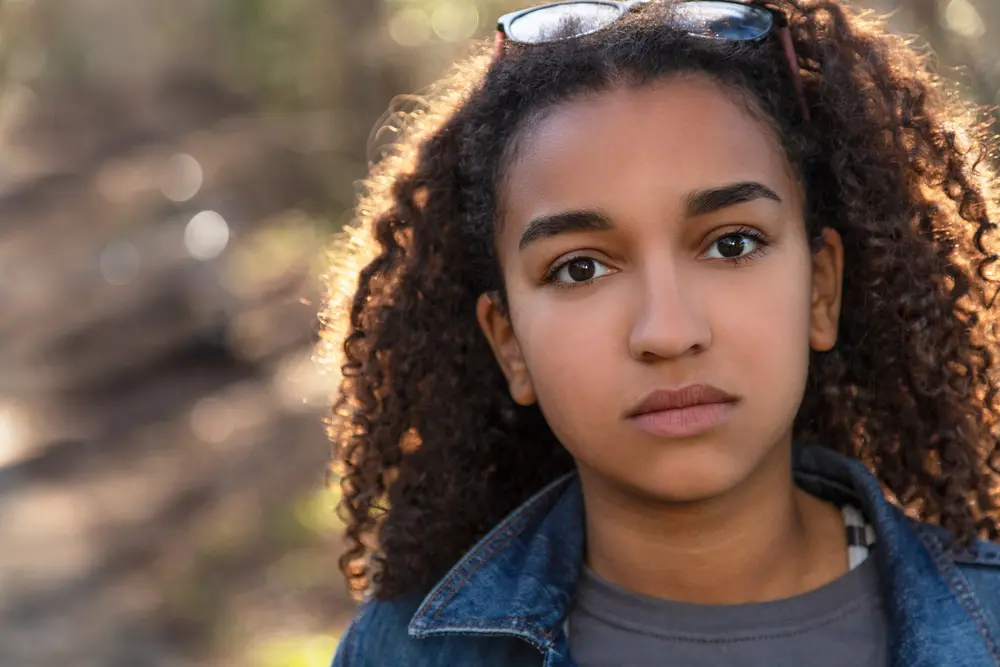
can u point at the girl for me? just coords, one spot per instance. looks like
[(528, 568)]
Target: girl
[(676, 348)]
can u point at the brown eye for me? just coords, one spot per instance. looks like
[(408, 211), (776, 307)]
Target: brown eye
[(732, 246), (580, 270)]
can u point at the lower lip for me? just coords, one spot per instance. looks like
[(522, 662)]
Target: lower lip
[(684, 422)]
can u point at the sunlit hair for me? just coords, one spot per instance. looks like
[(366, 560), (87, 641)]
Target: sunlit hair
[(431, 450)]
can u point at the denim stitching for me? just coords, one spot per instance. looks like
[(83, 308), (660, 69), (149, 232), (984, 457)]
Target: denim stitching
[(472, 623), (450, 586), (497, 542), (454, 589), (965, 597)]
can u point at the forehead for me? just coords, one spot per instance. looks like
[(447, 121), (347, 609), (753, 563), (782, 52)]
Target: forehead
[(660, 141)]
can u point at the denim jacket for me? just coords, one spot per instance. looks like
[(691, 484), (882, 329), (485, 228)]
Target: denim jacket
[(506, 601)]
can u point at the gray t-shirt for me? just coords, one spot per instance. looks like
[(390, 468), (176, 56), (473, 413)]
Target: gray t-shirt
[(842, 623)]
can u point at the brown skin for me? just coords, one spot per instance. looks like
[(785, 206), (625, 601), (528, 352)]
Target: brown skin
[(702, 518)]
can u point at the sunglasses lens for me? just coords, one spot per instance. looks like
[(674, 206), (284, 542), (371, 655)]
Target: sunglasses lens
[(723, 20), (570, 19)]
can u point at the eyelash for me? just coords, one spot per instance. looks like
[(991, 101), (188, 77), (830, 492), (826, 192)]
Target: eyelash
[(750, 232)]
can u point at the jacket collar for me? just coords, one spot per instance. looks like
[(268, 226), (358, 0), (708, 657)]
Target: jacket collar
[(519, 579)]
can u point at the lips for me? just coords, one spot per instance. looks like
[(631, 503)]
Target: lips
[(679, 399)]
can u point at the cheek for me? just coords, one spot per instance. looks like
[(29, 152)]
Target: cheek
[(764, 318), (571, 338), (761, 338), (575, 346)]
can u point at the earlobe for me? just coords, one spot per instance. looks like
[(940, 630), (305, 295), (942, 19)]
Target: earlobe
[(827, 289), (496, 326)]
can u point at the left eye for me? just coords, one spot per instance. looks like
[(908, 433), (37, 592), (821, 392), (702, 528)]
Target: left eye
[(732, 246)]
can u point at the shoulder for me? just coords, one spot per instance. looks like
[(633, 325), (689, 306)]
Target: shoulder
[(976, 568), (980, 563), (377, 635), (980, 555), (980, 567)]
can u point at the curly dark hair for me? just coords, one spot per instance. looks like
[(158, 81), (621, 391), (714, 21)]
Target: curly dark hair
[(431, 450)]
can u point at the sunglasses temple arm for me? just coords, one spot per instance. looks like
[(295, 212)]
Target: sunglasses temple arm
[(499, 41), (785, 35)]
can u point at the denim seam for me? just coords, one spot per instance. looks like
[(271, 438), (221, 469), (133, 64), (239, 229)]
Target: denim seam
[(487, 557), (468, 575), (490, 549), (486, 624), (959, 586), (514, 526)]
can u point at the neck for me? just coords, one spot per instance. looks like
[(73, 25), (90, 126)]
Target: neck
[(765, 540)]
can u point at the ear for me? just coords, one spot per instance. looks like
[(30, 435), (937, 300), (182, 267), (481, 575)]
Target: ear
[(827, 286), (494, 320)]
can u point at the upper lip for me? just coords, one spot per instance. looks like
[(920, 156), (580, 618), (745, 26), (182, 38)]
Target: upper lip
[(685, 397)]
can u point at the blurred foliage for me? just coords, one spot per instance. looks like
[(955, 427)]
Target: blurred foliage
[(279, 51), (304, 651)]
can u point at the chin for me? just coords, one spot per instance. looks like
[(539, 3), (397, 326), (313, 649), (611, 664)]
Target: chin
[(690, 475)]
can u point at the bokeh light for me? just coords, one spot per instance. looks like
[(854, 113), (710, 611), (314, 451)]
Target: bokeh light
[(120, 262), (961, 17), (410, 26), (206, 235), (15, 431), (182, 177), (212, 420), (454, 21)]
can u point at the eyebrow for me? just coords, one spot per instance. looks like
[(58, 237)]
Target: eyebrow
[(699, 202), (546, 226), (703, 202)]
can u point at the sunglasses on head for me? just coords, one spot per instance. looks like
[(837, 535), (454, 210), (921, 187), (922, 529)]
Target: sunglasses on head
[(713, 19)]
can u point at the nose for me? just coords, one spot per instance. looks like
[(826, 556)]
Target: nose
[(671, 321)]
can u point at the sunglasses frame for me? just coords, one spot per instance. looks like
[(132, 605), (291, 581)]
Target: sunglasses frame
[(779, 27)]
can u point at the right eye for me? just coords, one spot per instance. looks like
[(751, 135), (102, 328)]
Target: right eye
[(578, 271)]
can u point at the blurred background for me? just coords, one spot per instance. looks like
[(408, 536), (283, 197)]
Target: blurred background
[(170, 171)]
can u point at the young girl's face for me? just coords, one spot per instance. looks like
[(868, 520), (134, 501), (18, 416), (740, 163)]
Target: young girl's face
[(652, 240)]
